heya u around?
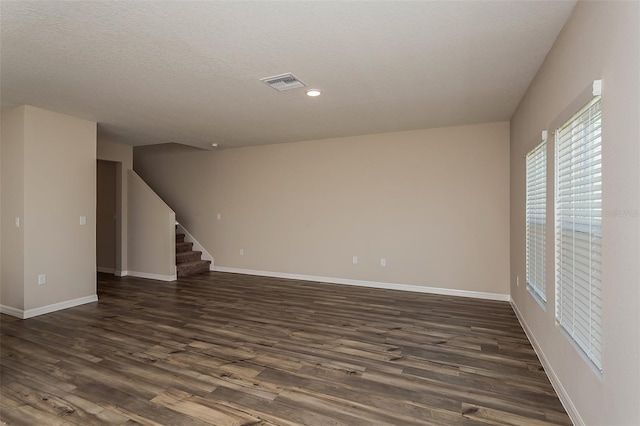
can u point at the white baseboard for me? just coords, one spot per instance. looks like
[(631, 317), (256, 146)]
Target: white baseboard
[(29, 313), (373, 284), (149, 276), (553, 378), (14, 312), (106, 270)]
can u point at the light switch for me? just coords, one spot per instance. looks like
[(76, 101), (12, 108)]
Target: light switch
[(17, 222), (83, 220)]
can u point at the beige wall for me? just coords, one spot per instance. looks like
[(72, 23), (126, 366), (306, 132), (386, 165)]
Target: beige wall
[(151, 234), (106, 214), (60, 170), (122, 154), (141, 249), (49, 167), (12, 194), (427, 201), (600, 40), (1, 223)]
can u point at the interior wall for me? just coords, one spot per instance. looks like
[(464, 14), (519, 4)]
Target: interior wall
[(106, 214), (427, 201), (601, 40), (0, 209), (152, 242), (110, 149), (59, 188), (12, 195)]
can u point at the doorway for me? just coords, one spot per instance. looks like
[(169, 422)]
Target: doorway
[(106, 217)]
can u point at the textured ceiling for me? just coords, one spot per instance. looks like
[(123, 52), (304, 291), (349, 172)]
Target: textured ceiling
[(188, 72)]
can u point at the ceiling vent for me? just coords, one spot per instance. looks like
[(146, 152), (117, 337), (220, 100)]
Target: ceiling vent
[(283, 82)]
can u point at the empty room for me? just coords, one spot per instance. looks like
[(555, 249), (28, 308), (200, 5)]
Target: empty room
[(320, 213)]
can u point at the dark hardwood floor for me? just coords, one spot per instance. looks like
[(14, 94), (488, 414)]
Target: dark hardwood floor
[(226, 349)]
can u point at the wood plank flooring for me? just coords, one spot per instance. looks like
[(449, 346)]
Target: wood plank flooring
[(228, 349)]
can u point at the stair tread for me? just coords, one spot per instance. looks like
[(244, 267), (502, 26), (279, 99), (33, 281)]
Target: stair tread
[(183, 247), (187, 265), (186, 259), (188, 256), (188, 253), (192, 268)]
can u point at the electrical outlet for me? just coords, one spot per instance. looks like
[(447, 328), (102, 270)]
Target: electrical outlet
[(383, 262), (355, 260), (42, 278), (241, 252), (218, 216)]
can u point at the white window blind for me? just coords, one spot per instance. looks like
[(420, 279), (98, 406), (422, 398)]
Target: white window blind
[(579, 229), (536, 211)]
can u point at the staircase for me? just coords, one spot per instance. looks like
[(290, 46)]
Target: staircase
[(189, 262)]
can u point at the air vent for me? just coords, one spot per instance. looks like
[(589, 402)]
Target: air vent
[(283, 82)]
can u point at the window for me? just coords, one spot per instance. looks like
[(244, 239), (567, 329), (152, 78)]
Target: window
[(579, 229), (536, 218)]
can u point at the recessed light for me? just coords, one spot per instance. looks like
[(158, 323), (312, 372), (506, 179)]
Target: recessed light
[(313, 92), (215, 145)]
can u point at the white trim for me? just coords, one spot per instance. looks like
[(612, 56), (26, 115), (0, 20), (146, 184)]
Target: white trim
[(581, 100), (566, 401), (597, 88), (14, 312), (196, 245), (29, 313), (121, 273), (151, 276), (373, 284), (105, 270)]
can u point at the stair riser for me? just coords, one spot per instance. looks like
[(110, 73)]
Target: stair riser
[(183, 247), (186, 257), (185, 272), (179, 238)]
